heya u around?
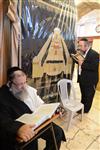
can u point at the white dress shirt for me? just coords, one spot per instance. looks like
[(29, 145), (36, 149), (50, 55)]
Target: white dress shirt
[(33, 100)]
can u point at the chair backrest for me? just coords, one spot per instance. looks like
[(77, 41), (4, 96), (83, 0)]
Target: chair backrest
[(66, 91)]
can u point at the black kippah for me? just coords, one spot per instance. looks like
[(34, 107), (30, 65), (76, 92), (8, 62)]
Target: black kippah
[(11, 71), (84, 39)]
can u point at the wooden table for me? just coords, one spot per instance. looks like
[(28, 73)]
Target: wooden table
[(40, 130)]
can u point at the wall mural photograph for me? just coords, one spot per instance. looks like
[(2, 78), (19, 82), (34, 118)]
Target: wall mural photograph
[(48, 36)]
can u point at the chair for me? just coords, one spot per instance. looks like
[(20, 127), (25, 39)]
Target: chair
[(68, 99)]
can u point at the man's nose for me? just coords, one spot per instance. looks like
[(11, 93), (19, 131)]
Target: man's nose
[(22, 86)]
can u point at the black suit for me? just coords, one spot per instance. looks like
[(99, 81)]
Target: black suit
[(89, 78), (10, 109)]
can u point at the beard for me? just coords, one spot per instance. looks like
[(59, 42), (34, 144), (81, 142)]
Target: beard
[(21, 95)]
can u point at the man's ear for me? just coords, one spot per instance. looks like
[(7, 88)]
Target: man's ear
[(10, 83)]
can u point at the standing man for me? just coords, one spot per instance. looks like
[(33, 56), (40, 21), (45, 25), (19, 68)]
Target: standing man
[(87, 73), (16, 99)]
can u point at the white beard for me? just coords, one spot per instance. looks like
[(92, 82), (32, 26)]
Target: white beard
[(21, 95)]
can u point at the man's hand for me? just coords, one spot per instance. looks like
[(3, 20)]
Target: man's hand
[(25, 133), (80, 62)]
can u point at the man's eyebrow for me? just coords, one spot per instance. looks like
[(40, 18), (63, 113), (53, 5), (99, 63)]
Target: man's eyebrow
[(20, 74)]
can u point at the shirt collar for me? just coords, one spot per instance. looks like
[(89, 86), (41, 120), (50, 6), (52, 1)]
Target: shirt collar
[(86, 52)]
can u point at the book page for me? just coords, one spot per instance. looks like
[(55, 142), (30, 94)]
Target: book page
[(43, 113), (77, 56), (47, 109)]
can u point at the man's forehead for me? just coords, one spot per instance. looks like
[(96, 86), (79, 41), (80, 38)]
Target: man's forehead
[(20, 77), (81, 42), (19, 73)]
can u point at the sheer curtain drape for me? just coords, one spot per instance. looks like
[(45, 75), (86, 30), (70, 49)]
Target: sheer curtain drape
[(4, 41)]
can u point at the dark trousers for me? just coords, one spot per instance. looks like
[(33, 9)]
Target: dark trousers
[(32, 146), (87, 94), (59, 134)]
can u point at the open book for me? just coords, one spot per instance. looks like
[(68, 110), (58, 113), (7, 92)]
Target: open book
[(77, 56), (42, 113)]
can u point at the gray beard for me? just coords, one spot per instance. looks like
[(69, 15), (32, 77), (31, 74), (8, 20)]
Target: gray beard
[(21, 95)]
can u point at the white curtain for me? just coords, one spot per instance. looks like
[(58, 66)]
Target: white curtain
[(15, 31)]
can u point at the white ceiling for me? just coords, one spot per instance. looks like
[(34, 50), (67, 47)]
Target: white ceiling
[(77, 2), (86, 6)]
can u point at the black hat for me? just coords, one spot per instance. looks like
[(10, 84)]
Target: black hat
[(11, 71), (84, 39)]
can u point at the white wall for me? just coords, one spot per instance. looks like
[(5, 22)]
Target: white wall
[(86, 26)]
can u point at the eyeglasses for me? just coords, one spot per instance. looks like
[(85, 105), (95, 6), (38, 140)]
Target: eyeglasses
[(19, 84)]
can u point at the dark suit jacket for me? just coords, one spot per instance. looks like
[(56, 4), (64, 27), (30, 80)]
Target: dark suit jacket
[(89, 74), (10, 109)]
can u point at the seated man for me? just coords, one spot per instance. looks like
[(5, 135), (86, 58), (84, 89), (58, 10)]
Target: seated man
[(16, 99)]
